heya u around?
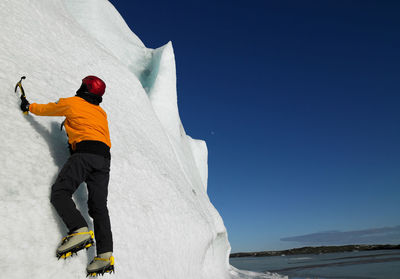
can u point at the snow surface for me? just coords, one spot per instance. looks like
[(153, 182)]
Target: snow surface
[(164, 225)]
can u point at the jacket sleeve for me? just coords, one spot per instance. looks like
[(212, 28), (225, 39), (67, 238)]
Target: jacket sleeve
[(59, 108)]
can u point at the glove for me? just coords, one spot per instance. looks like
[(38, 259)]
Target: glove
[(24, 104)]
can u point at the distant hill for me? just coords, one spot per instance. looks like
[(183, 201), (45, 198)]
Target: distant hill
[(317, 250)]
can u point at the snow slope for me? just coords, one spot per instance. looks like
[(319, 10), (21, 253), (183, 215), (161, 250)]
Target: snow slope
[(163, 223)]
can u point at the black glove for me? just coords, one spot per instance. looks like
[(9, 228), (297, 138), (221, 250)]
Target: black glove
[(24, 104)]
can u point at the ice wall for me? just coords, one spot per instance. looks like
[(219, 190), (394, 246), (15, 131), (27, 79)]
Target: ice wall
[(163, 223)]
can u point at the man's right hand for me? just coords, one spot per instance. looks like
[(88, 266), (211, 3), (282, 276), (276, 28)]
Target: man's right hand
[(24, 104)]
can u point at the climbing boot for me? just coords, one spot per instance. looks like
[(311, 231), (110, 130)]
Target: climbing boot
[(103, 263), (74, 242)]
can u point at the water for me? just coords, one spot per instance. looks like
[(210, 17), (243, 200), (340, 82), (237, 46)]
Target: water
[(382, 264)]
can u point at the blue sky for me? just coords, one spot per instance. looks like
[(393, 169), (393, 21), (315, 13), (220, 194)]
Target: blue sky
[(298, 102)]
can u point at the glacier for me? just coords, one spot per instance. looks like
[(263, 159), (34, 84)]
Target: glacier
[(163, 223)]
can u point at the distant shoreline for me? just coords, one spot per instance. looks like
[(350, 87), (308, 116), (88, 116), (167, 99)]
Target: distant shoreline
[(316, 250)]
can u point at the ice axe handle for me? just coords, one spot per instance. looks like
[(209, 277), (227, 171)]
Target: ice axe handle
[(19, 84)]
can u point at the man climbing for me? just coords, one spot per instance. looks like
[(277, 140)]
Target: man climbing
[(89, 141)]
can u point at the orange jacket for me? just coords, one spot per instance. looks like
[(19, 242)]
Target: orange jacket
[(84, 121)]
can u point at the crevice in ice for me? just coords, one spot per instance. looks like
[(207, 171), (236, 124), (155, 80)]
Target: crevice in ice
[(217, 252), (148, 76)]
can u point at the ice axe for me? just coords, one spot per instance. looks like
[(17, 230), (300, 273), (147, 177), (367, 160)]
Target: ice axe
[(19, 84)]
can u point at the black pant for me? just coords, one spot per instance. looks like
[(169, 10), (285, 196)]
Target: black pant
[(94, 170)]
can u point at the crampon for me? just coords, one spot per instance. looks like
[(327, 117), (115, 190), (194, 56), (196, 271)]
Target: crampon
[(75, 249), (106, 269)]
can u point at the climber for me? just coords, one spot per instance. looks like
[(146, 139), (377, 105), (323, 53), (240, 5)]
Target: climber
[(89, 143)]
